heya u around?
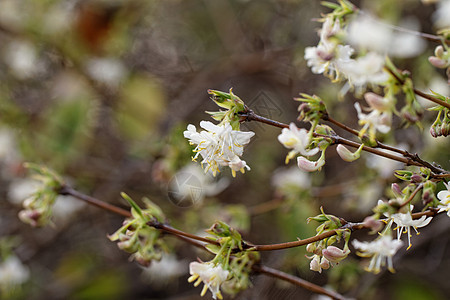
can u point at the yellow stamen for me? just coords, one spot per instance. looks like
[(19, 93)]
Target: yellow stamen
[(197, 283), (205, 288), (192, 278)]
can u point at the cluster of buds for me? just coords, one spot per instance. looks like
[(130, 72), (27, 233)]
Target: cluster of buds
[(312, 108), (324, 253), (441, 58), (232, 103), (324, 258), (441, 126), (38, 207), (136, 236), (231, 265)]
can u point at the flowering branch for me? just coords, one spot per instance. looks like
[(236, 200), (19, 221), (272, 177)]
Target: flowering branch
[(196, 241), (417, 92), (410, 159), (319, 237), (67, 190), (413, 156), (327, 234)]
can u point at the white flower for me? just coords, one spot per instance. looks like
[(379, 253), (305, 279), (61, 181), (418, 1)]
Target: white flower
[(211, 276), (325, 57), (441, 16), (219, 146), (374, 121), (368, 33), (444, 198), (296, 139), (318, 263), (381, 250), (405, 222), (13, 272), (363, 71), (365, 33)]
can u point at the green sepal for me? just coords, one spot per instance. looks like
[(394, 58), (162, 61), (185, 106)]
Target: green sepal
[(135, 209), (213, 248)]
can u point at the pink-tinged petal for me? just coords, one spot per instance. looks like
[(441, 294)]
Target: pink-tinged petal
[(309, 166)]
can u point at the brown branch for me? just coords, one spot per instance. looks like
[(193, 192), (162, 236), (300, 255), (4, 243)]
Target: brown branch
[(319, 237), (177, 232), (67, 190), (352, 226), (408, 159), (418, 188), (297, 281), (415, 157), (420, 93)]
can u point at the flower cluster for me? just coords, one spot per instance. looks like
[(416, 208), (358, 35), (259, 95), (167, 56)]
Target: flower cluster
[(300, 141), (325, 254), (381, 250), (404, 222), (333, 59), (212, 276), (226, 271), (379, 118), (38, 206), (441, 59), (219, 145), (136, 236)]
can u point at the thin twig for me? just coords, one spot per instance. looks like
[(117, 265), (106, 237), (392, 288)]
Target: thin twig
[(418, 188), (420, 93), (413, 156), (177, 232), (347, 225), (67, 190), (316, 238), (409, 159)]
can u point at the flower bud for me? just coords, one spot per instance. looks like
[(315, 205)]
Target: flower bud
[(376, 101), (334, 254), (372, 223), (438, 62), (445, 129), (140, 259), (324, 263), (439, 51), (346, 154), (310, 166), (311, 247), (433, 132), (31, 217), (396, 189), (416, 178), (314, 265)]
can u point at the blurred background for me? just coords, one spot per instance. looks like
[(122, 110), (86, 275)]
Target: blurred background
[(101, 92)]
